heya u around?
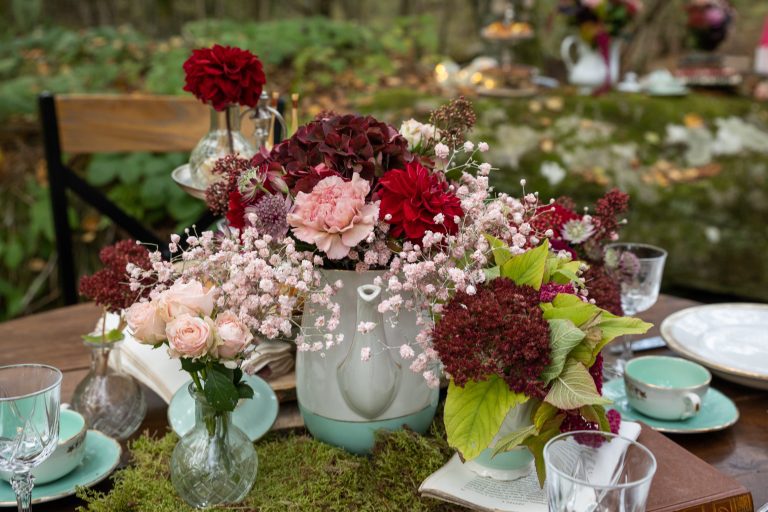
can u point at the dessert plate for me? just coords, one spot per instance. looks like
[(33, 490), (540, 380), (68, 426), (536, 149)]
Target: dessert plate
[(717, 412), (729, 339), (254, 416), (102, 455)]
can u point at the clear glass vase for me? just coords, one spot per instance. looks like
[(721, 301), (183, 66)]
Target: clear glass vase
[(110, 401), (215, 462), (223, 138)]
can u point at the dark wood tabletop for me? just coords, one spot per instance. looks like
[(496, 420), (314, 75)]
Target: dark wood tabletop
[(54, 338)]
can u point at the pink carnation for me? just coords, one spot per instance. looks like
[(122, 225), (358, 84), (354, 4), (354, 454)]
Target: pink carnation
[(334, 215)]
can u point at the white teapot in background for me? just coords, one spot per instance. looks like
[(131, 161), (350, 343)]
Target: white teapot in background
[(589, 69)]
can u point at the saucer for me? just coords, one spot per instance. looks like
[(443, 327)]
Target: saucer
[(254, 416), (102, 455), (717, 412)]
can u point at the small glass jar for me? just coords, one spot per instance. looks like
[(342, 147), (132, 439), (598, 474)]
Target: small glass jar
[(223, 138), (110, 401), (215, 462)]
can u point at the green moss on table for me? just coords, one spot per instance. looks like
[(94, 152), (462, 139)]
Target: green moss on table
[(296, 473)]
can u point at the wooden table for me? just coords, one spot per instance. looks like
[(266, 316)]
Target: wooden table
[(54, 338)]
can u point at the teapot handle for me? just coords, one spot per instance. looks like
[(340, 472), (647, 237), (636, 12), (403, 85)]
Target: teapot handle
[(565, 51)]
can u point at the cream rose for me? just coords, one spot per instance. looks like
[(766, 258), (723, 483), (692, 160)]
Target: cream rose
[(145, 323), (191, 298), (232, 336), (189, 336)]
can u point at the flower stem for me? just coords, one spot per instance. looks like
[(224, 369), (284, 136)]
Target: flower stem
[(196, 380)]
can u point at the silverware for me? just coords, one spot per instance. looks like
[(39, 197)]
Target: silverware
[(640, 345)]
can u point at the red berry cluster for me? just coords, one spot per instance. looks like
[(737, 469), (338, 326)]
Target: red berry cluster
[(109, 287), (604, 289), (500, 331)]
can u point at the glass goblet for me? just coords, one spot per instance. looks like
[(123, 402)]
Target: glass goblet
[(597, 472), (638, 269), (30, 396)]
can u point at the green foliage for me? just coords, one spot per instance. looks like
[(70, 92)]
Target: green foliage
[(296, 473), (573, 388), (474, 413), (563, 337)]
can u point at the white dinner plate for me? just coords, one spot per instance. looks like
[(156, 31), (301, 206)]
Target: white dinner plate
[(729, 339)]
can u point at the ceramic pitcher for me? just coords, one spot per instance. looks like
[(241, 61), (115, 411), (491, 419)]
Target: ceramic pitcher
[(344, 399), (589, 68)]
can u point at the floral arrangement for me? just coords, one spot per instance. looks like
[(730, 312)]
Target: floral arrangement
[(600, 20), (708, 22), (109, 288), (527, 338), (224, 75)]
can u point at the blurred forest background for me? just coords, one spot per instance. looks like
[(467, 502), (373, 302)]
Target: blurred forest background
[(347, 55)]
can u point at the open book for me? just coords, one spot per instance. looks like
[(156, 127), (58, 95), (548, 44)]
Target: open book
[(159, 372), (457, 484)]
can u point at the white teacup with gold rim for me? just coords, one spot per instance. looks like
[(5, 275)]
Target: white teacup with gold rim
[(666, 388)]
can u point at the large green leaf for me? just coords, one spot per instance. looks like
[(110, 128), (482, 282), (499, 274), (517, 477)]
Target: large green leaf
[(613, 326), (563, 337), (573, 388), (544, 413), (527, 268), (474, 413), (514, 439), (578, 313), (500, 250), (220, 390)]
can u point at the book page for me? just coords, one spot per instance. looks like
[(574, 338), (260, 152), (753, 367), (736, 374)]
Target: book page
[(457, 484)]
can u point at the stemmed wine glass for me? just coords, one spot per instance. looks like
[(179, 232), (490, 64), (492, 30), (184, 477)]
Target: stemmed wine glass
[(29, 423), (638, 268)]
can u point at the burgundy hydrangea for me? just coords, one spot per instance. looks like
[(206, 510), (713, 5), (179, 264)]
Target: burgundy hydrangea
[(500, 331), (549, 291), (224, 75), (596, 371), (109, 286), (604, 289), (343, 145)]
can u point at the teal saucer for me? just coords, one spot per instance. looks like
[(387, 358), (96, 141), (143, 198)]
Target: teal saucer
[(254, 417), (717, 412), (102, 455)]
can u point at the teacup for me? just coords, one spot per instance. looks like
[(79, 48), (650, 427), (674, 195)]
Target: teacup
[(666, 388), (69, 452)]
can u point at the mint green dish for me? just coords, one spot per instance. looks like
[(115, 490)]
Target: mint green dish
[(358, 436), (253, 416), (717, 412), (102, 455)]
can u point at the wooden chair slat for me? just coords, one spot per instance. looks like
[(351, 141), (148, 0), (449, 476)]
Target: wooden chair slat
[(104, 123)]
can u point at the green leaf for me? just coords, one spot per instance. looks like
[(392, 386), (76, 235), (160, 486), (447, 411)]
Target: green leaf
[(565, 276), (191, 365), (220, 391), (492, 273), (577, 313), (500, 250), (596, 414), (573, 388), (244, 390), (527, 268), (614, 326), (563, 337), (514, 439), (115, 335), (474, 413), (536, 445), (544, 413)]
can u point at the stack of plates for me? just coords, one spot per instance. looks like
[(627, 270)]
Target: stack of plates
[(729, 339)]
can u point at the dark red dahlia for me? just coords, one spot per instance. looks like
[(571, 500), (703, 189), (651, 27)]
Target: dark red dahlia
[(497, 331), (345, 145), (224, 75), (416, 200), (553, 216), (109, 286)]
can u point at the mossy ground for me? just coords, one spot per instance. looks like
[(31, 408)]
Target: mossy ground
[(296, 473)]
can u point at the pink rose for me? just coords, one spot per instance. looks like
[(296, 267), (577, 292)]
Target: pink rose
[(191, 298), (334, 215), (189, 336), (145, 322), (232, 336), (592, 4)]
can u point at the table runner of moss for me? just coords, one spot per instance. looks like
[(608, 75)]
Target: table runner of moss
[(296, 473)]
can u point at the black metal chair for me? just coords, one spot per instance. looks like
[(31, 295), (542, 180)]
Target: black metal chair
[(87, 124)]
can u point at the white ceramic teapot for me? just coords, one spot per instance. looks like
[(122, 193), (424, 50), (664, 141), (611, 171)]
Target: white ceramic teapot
[(589, 69)]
